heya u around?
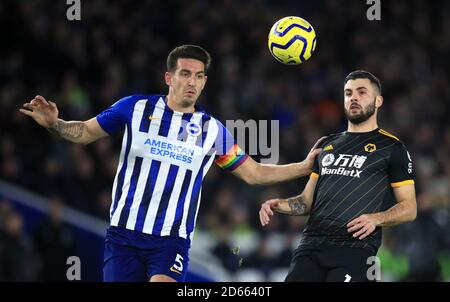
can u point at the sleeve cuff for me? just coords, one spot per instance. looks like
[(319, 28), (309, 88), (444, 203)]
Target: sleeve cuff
[(402, 183)]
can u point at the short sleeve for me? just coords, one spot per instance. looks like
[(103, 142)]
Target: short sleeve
[(400, 167), (229, 155), (115, 117), (316, 169)]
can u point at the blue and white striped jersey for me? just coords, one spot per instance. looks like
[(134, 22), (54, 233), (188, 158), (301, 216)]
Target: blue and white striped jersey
[(164, 157)]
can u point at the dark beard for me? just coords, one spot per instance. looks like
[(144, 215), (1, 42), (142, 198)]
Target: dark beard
[(361, 117), (187, 102)]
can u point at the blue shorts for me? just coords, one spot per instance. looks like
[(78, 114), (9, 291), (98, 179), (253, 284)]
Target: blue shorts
[(135, 257)]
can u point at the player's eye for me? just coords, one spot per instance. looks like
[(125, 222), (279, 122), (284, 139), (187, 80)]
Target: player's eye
[(200, 76)]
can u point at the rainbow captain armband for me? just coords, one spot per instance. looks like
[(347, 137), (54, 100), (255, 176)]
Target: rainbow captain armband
[(232, 159)]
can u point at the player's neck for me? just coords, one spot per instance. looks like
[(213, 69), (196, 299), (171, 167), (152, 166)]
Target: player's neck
[(174, 106), (367, 126)]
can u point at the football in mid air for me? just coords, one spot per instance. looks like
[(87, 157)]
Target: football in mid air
[(292, 40)]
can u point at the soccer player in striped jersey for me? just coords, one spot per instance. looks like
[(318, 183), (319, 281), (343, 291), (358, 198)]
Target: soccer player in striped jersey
[(350, 193), (168, 146)]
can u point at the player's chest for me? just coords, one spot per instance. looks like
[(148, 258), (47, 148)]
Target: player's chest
[(184, 148), (353, 160)]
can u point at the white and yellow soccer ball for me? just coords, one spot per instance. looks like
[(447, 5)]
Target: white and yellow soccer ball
[(292, 40)]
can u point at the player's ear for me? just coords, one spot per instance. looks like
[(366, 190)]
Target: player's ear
[(378, 101), (168, 78)]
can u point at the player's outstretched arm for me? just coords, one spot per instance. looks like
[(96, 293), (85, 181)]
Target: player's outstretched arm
[(45, 113), (255, 173), (299, 205)]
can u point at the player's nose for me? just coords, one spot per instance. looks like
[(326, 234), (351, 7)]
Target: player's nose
[(192, 80), (354, 99)]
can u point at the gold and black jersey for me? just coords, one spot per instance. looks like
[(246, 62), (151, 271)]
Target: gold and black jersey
[(356, 173)]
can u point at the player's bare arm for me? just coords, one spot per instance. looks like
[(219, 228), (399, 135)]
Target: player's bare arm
[(295, 206), (299, 205), (45, 113), (404, 211), (255, 173), (77, 131)]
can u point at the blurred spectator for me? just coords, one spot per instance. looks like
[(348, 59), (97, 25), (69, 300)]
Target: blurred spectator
[(423, 239), (261, 258), (228, 255), (17, 260), (54, 242), (5, 212)]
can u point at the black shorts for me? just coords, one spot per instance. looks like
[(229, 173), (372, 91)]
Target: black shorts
[(332, 264)]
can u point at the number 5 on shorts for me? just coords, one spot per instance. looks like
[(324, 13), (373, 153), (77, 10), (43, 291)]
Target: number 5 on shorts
[(178, 265)]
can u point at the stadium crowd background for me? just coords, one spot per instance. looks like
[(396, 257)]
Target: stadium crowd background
[(119, 48)]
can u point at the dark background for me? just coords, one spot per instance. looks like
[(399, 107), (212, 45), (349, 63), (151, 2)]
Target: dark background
[(119, 48)]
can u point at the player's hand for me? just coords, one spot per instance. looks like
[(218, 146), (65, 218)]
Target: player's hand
[(363, 226), (309, 160), (266, 210), (44, 112)]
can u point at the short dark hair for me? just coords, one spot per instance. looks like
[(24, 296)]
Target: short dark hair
[(362, 74), (188, 52)]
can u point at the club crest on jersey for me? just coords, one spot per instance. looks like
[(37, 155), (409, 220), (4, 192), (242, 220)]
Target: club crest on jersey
[(193, 129), (327, 160), (370, 148)]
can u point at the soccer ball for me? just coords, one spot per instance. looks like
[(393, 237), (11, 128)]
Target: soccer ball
[(292, 40)]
